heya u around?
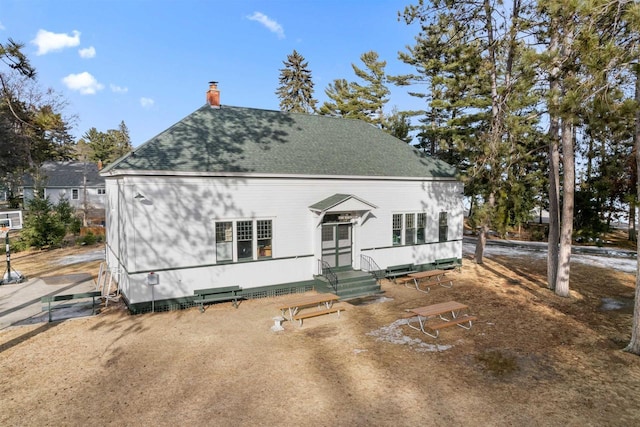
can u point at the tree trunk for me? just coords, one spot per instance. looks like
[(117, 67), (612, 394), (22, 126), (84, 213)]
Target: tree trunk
[(554, 206), (566, 222), (484, 230), (480, 244), (554, 164), (633, 234), (634, 344)]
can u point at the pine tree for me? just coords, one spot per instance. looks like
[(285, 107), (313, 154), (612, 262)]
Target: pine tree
[(479, 108), (296, 86), (364, 99), (588, 45), (32, 127), (105, 146)]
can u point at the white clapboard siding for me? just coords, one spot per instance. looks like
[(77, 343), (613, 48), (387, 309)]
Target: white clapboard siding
[(169, 227)]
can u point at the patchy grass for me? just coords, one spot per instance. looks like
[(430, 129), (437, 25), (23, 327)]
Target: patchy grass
[(497, 363)]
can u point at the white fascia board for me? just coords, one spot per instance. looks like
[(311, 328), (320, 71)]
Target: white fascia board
[(131, 172)]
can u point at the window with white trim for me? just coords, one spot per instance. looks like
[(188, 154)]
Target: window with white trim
[(75, 194), (397, 229), (102, 191), (224, 241), (420, 227), (244, 234), (263, 231), (409, 228), (243, 240), (443, 227)]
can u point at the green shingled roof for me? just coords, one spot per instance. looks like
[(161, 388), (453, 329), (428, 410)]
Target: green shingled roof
[(247, 140)]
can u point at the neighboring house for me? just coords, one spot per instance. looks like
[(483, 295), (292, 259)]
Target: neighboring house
[(78, 182), (259, 199)]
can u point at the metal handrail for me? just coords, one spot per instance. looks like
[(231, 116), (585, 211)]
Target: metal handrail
[(369, 265), (327, 272)]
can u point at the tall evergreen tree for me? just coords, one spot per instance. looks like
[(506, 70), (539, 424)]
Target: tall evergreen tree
[(106, 146), (480, 113), (398, 124), (364, 99), (32, 127), (587, 44), (296, 85), (343, 101)]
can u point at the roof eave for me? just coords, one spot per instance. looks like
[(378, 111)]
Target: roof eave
[(162, 173)]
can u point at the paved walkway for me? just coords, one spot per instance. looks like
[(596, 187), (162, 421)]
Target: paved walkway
[(20, 303)]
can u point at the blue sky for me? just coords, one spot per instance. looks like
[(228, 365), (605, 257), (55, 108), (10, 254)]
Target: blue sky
[(148, 62)]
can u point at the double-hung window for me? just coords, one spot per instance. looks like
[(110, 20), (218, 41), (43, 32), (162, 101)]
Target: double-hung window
[(397, 229), (243, 240), (409, 228), (244, 233), (224, 241), (421, 225), (263, 230), (75, 194), (443, 227)]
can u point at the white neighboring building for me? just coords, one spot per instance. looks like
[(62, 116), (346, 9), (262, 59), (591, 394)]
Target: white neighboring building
[(78, 182), (257, 198)]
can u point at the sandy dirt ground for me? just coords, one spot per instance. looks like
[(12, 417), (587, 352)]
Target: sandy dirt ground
[(531, 359)]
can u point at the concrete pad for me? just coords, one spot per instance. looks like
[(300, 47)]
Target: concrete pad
[(20, 303)]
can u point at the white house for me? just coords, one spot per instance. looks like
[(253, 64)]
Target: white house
[(78, 182), (263, 199)]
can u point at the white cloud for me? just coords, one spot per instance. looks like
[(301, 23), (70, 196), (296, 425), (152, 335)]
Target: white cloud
[(146, 102), (118, 89), (84, 83), (50, 42), (88, 52), (269, 23), (2, 27)]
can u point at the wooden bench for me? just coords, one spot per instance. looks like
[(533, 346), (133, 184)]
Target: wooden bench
[(435, 327), (394, 271), (448, 264), (226, 293), (48, 300), (444, 282), (313, 313)]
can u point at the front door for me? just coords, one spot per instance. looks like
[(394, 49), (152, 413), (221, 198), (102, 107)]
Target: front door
[(336, 245)]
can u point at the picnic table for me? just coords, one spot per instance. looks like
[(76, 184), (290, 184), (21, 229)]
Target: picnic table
[(453, 309), (430, 276), (292, 307)]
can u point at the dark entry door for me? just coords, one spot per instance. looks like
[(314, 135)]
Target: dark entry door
[(336, 245)]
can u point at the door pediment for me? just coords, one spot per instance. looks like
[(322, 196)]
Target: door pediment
[(342, 203)]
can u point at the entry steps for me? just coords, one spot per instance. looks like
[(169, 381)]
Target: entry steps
[(351, 284)]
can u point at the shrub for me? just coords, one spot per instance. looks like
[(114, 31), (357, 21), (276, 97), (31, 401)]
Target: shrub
[(42, 227), (87, 239)]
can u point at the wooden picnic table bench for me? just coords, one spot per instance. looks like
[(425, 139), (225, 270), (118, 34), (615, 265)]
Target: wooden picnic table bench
[(438, 311), (51, 300), (430, 277), (226, 293), (394, 271), (448, 264), (293, 307)]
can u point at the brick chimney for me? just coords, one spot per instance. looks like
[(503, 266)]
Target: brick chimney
[(213, 95)]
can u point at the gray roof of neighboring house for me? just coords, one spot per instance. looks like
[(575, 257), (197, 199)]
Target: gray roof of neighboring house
[(68, 174), (247, 140)]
